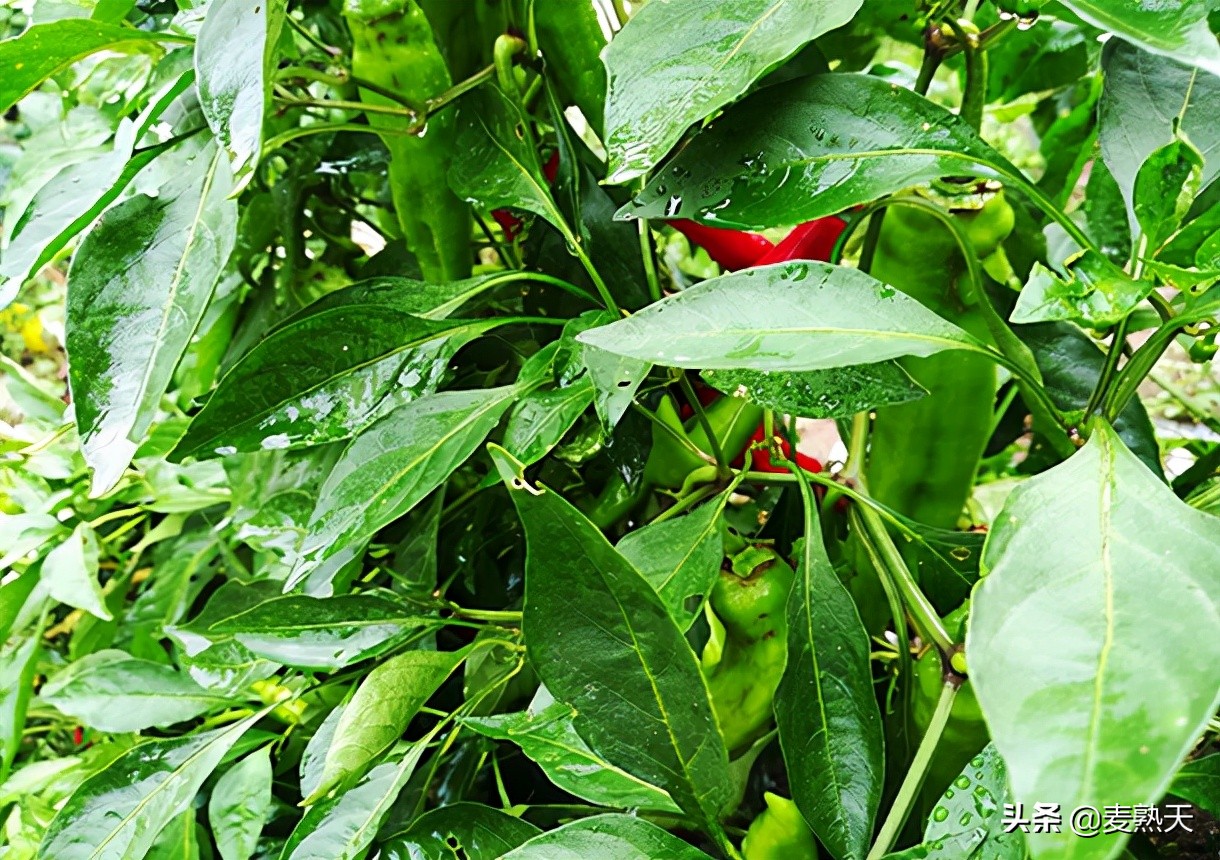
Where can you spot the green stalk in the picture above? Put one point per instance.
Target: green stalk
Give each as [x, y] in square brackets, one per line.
[909, 790]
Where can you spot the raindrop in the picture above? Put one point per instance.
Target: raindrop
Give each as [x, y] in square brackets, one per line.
[962, 781]
[940, 814]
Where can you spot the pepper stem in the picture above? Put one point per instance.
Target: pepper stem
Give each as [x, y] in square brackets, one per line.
[912, 782]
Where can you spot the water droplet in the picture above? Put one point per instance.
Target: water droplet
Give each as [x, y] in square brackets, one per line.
[977, 761]
[940, 814]
[965, 819]
[962, 781]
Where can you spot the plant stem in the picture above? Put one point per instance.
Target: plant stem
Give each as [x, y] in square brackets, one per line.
[701, 417]
[1108, 369]
[911, 784]
[648, 250]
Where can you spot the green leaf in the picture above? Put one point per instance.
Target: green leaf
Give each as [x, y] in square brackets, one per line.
[69, 573]
[477, 831]
[386, 701]
[327, 373]
[1097, 293]
[47, 49]
[620, 662]
[74, 197]
[111, 691]
[825, 707]
[21, 533]
[1098, 582]
[343, 827]
[313, 758]
[542, 418]
[975, 802]
[1199, 783]
[140, 283]
[18, 663]
[1175, 28]
[220, 663]
[320, 632]
[607, 837]
[232, 58]
[680, 558]
[240, 805]
[840, 140]
[1165, 188]
[178, 840]
[679, 61]
[790, 316]
[116, 814]
[837, 393]
[394, 464]
[496, 163]
[1144, 96]
[547, 734]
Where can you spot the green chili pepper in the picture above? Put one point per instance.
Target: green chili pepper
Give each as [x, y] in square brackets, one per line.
[923, 455]
[393, 47]
[779, 832]
[466, 31]
[571, 36]
[732, 419]
[745, 659]
[966, 732]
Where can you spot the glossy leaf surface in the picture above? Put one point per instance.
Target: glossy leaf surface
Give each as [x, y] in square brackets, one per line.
[1053, 712]
[682, 60]
[841, 140]
[790, 316]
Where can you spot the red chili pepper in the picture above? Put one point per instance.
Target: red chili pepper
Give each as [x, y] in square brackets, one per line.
[760, 458]
[732, 249]
[78, 735]
[510, 223]
[813, 240]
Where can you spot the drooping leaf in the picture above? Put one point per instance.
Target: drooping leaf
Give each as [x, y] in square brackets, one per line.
[1098, 578]
[240, 805]
[837, 393]
[1165, 188]
[117, 813]
[790, 316]
[320, 632]
[394, 464]
[680, 558]
[1178, 28]
[825, 708]
[607, 837]
[111, 691]
[478, 831]
[1144, 96]
[841, 140]
[231, 61]
[343, 827]
[140, 283]
[620, 662]
[69, 573]
[547, 735]
[496, 163]
[327, 373]
[377, 715]
[69, 202]
[45, 49]
[677, 62]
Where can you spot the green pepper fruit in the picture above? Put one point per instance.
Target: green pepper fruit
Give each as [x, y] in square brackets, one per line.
[923, 455]
[393, 47]
[571, 36]
[779, 832]
[749, 601]
[966, 732]
[670, 460]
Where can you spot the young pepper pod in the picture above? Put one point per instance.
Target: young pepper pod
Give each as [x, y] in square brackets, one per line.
[779, 832]
[743, 667]
[393, 47]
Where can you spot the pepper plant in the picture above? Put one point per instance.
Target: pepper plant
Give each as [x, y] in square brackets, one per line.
[426, 473]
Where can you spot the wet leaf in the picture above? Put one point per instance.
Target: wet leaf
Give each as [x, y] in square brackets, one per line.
[478, 831]
[240, 805]
[606, 837]
[837, 393]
